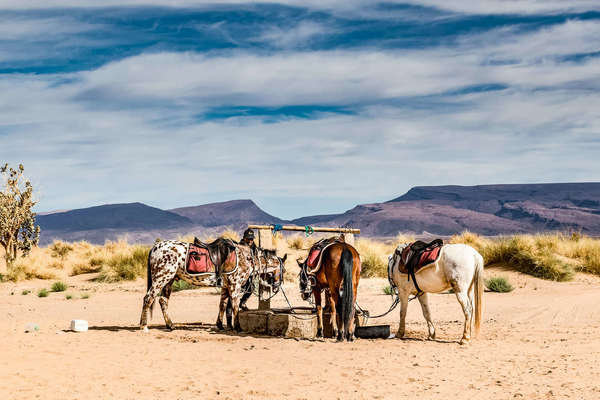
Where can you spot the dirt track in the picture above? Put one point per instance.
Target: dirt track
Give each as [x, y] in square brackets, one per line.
[541, 341]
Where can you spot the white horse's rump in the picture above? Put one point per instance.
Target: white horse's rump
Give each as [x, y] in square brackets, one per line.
[459, 267]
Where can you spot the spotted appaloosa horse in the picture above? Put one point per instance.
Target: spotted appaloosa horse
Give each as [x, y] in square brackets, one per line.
[166, 263]
[265, 263]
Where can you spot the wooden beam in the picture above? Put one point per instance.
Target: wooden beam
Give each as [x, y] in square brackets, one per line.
[303, 229]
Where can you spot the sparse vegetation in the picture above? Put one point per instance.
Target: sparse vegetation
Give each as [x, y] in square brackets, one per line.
[43, 293]
[297, 242]
[60, 249]
[499, 284]
[68, 296]
[59, 286]
[18, 232]
[127, 264]
[180, 285]
[387, 290]
[25, 292]
[85, 296]
[374, 257]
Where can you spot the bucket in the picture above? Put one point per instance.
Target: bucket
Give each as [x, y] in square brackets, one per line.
[372, 332]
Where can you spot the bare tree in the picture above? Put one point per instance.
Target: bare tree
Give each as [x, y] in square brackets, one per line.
[18, 231]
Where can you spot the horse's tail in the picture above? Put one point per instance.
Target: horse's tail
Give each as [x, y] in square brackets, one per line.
[478, 280]
[149, 281]
[347, 264]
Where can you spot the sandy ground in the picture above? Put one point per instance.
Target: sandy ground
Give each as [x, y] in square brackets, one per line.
[541, 341]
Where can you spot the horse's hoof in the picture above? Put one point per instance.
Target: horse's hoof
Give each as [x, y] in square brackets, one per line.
[144, 328]
[464, 341]
[219, 325]
[170, 327]
[399, 335]
[319, 332]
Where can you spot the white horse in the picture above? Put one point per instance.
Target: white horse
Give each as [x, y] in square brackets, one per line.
[459, 267]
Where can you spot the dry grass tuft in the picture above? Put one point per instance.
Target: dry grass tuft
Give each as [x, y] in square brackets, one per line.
[374, 257]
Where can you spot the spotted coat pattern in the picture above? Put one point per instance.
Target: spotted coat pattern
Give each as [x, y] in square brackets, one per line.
[166, 263]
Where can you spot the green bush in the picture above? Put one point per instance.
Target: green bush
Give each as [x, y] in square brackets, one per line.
[388, 290]
[25, 292]
[498, 284]
[68, 296]
[59, 286]
[182, 285]
[43, 293]
[85, 296]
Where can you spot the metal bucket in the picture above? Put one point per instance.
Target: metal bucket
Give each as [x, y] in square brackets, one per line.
[372, 332]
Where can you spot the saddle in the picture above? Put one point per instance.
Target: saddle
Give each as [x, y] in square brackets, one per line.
[417, 255]
[199, 260]
[208, 257]
[313, 260]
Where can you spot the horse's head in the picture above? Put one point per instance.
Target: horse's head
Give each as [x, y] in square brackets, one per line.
[273, 268]
[306, 283]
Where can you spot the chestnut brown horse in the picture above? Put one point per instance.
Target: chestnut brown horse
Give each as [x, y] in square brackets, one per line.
[338, 274]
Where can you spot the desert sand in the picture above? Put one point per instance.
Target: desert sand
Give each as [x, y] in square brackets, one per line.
[542, 341]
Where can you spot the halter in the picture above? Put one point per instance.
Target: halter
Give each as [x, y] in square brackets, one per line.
[311, 280]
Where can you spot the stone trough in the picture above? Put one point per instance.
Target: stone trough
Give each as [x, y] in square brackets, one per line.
[300, 322]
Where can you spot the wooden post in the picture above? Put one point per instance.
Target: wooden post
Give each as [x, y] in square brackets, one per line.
[349, 237]
[265, 238]
[264, 302]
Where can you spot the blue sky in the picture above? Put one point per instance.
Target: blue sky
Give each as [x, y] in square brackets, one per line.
[306, 107]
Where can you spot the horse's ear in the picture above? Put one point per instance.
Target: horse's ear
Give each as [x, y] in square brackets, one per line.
[284, 257]
[298, 260]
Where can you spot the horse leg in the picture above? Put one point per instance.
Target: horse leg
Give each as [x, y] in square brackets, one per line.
[350, 327]
[151, 295]
[229, 313]
[235, 302]
[333, 300]
[463, 299]
[317, 294]
[424, 300]
[164, 303]
[403, 308]
[222, 306]
[336, 309]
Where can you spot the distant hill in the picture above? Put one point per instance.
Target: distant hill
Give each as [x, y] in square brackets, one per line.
[485, 209]
[112, 216]
[435, 210]
[234, 212]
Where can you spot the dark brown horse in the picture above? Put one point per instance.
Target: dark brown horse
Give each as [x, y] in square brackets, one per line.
[338, 273]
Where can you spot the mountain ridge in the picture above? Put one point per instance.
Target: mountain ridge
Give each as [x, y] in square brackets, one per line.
[440, 210]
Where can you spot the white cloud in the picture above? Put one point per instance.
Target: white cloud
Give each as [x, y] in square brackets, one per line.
[461, 6]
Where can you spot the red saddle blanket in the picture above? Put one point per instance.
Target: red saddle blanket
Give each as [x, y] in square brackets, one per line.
[198, 261]
[313, 257]
[425, 257]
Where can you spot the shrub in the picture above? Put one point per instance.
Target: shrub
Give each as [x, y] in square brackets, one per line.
[499, 284]
[60, 249]
[374, 257]
[24, 270]
[94, 265]
[85, 296]
[25, 292]
[296, 242]
[68, 296]
[59, 286]
[180, 285]
[126, 265]
[43, 293]
[387, 290]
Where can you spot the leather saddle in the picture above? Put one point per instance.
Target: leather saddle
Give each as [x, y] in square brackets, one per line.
[316, 249]
[418, 255]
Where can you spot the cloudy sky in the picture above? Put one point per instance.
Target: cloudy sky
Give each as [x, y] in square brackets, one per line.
[307, 107]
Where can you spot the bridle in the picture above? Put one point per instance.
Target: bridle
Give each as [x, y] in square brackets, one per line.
[310, 279]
